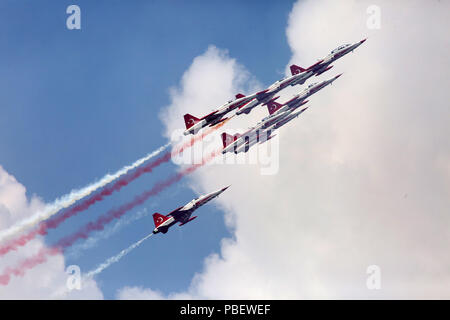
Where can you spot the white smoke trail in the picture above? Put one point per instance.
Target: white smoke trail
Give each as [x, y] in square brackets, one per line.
[91, 242]
[75, 195]
[63, 291]
[116, 258]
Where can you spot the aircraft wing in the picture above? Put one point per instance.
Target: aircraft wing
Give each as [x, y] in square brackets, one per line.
[293, 102]
[261, 95]
[178, 214]
[212, 116]
[315, 66]
[243, 101]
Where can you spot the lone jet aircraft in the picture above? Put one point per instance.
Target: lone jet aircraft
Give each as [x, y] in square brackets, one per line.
[182, 214]
[325, 64]
[193, 124]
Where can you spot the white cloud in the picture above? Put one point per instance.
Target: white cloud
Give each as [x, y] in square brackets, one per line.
[364, 173]
[137, 293]
[212, 77]
[45, 280]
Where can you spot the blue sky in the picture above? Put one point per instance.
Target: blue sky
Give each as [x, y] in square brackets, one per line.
[76, 104]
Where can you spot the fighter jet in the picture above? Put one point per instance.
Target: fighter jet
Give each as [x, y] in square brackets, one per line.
[260, 133]
[270, 92]
[284, 117]
[182, 214]
[325, 64]
[299, 99]
[298, 76]
[242, 142]
[193, 124]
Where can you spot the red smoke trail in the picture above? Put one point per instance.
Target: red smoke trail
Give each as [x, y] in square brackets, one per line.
[42, 228]
[52, 223]
[29, 263]
[99, 224]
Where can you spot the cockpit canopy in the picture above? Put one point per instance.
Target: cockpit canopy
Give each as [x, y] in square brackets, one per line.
[312, 85]
[340, 47]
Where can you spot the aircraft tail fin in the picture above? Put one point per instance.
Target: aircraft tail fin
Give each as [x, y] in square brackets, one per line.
[296, 69]
[273, 106]
[240, 95]
[227, 139]
[158, 219]
[190, 120]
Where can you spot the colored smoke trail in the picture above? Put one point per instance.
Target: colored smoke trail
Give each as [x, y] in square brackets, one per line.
[100, 223]
[75, 195]
[76, 250]
[29, 263]
[116, 258]
[54, 222]
[42, 228]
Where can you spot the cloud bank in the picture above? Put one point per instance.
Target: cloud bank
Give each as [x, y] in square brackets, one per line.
[46, 280]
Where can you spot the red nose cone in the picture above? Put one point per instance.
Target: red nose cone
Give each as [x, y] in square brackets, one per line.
[362, 41]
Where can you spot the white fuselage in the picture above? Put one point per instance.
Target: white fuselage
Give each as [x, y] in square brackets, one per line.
[340, 52]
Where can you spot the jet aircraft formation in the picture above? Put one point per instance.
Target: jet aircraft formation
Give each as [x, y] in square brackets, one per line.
[279, 115]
